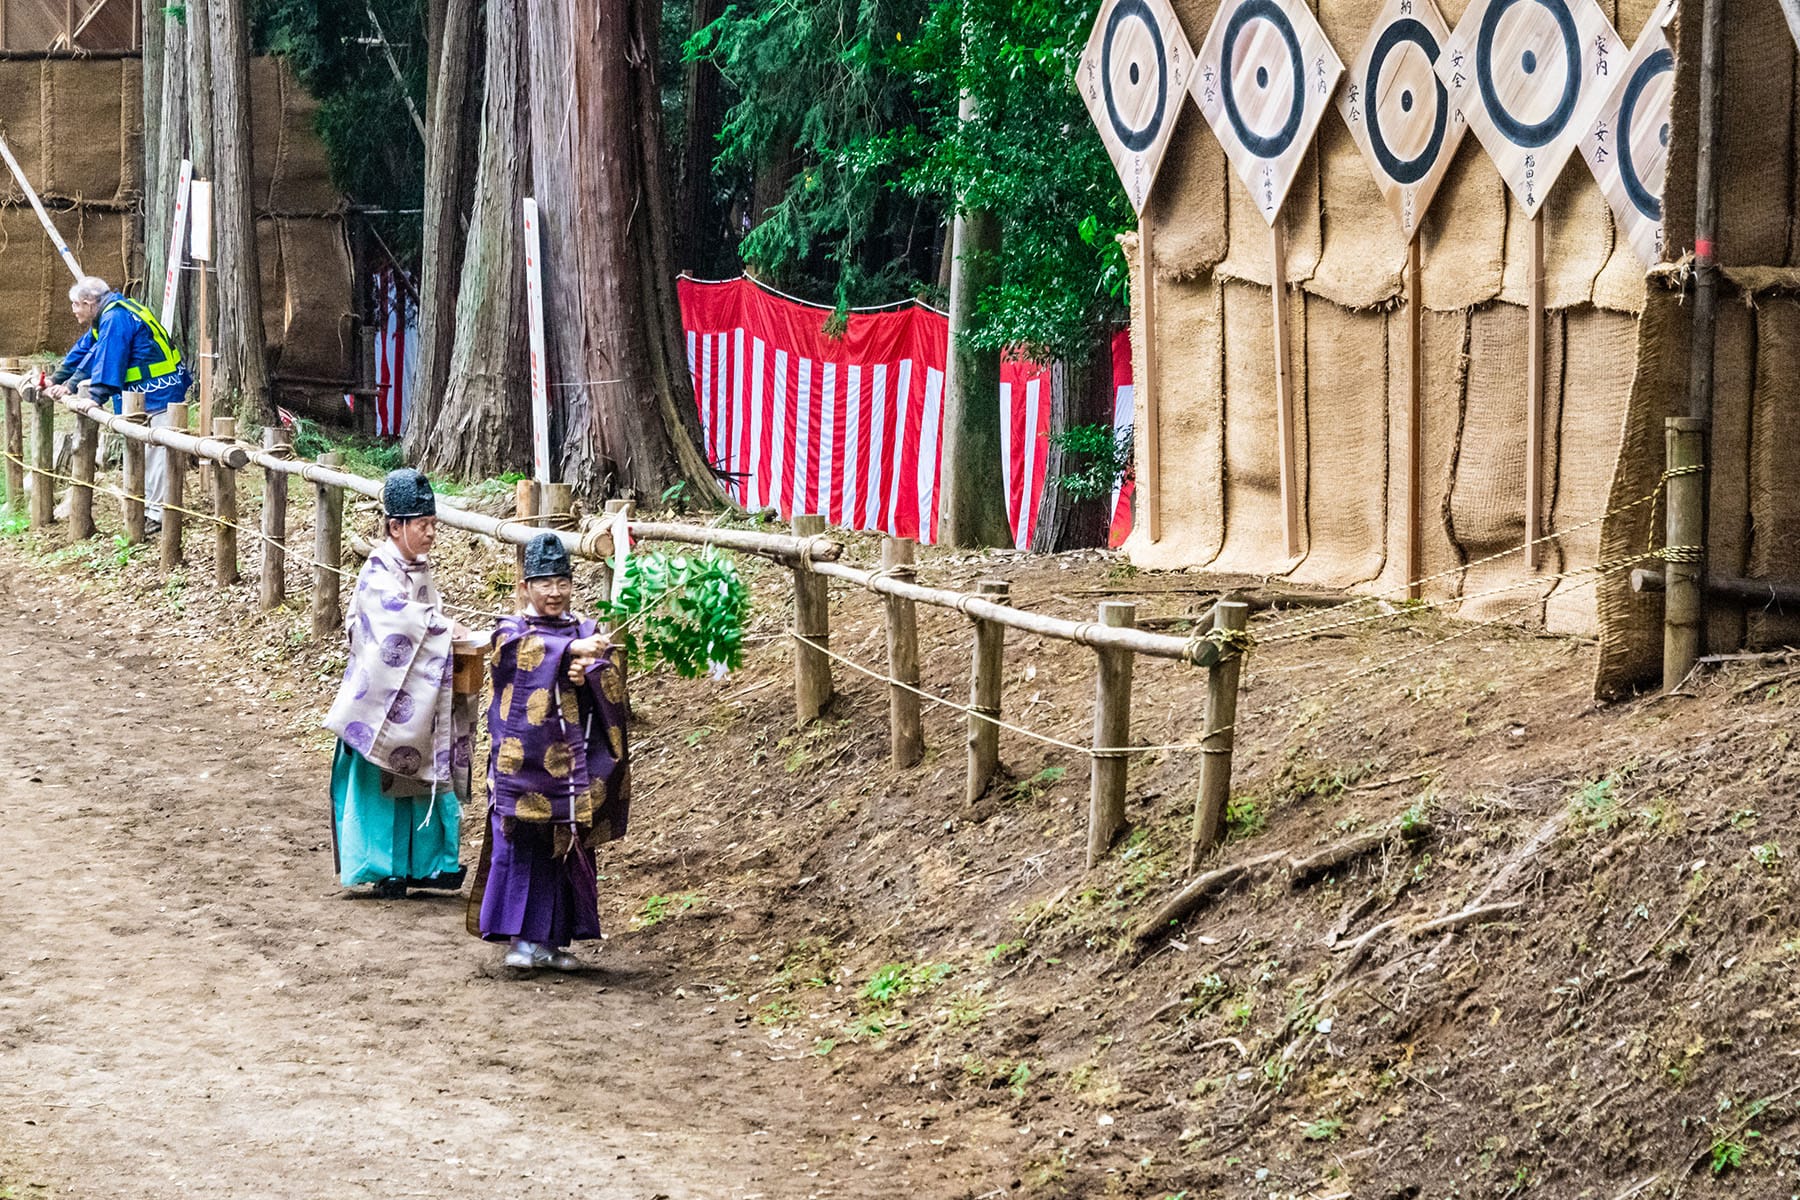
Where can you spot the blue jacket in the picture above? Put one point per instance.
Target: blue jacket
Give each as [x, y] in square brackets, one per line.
[120, 344]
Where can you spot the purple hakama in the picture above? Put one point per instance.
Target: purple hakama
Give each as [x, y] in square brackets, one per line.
[558, 785]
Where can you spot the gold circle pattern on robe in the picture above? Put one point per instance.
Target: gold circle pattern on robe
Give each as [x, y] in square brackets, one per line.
[571, 705]
[531, 652]
[558, 760]
[506, 703]
[617, 740]
[612, 683]
[510, 757]
[537, 706]
[532, 806]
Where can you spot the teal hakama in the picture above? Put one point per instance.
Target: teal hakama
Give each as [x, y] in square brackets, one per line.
[377, 835]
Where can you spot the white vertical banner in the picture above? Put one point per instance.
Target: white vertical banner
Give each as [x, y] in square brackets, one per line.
[200, 214]
[177, 245]
[540, 386]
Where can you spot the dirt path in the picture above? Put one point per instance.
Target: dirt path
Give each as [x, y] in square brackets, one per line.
[190, 1006]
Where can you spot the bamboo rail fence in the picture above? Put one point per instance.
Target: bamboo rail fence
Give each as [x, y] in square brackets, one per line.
[808, 552]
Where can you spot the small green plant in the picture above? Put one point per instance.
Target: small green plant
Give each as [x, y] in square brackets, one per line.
[1597, 804]
[1102, 454]
[896, 981]
[12, 524]
[1017, 1078]
[659, 908]
[1243, 817]
[1002, 952]
[1325, 1129]
[1037, 785]
[1728, 1152]
[1767, 855]
[1417, 818]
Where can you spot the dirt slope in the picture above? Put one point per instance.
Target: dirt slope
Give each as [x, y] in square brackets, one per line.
[1565, 969]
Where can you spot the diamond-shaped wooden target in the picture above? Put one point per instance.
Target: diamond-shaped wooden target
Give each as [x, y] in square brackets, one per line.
[1399, 111]
[1132, 76]
[1627, 147]
[1530, 76]
[1264, 78]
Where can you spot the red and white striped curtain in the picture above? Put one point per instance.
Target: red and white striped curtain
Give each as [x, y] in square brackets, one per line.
[396, 354]
[849, 427]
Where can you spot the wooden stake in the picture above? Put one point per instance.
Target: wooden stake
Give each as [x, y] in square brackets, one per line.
[558, 508]
[43, 460]
[174, 497]
[15, 450]
[1284, 393]
[606, 570]
[984, 693]
[328, 552]
[525, 509]
[1683, 619]
[274, 521]
[1414, 379]
[1219, 738]
[81, 496]
[131, 505]
[812, 620]
[1146, 388]
[1112, 729]
[225, 508]
[906, 733]
[1534, 396]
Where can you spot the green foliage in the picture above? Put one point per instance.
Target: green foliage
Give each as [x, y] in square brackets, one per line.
[1729, 1152]
[362, 456]
[896, 981]
[659, 908]
[1243, 817]
[1107, 455]
[688, 612]
[1325, 1129]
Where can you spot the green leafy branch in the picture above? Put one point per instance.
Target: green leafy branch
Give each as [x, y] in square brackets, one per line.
[688, 612]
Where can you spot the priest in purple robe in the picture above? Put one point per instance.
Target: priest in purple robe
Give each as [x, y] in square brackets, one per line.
[558, 774]
[395, 809]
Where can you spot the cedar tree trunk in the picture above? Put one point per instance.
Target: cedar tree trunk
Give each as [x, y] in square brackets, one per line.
[1081, 395]
[698, 226]
[241, 372]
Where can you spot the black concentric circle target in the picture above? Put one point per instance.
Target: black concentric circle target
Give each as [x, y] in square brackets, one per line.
[1640, 196]
[1404, 170]
[1530, 135]
[1263, 145]
[1135, 139]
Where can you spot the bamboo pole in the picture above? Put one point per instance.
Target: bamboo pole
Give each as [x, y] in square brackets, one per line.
[131, 504]
[906, 732]
[15, 451]
[328, 550]
[1534, 396]
[1219, 737]
[1112, 729]
[1685, 441]
[812, 620]
[984, 692]
[1147, 388]
[178, 440]
[43, 460]
[174, 495]
[225, 508]
[1414, 415]
[276, 440]
[1284, 392]
[81, 495]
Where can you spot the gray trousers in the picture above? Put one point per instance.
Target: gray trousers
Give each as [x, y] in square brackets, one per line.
[156, 470]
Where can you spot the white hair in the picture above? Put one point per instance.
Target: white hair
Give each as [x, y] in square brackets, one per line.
[89, 287]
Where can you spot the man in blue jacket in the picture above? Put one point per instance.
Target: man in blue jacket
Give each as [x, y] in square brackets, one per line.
[125, 348]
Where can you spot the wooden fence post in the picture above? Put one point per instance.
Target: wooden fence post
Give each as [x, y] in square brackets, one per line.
[15, 450]
[1683, 621]
[906, 734]
[274, 520]
[556, 509]
[225, 508]
[812, 620]
[81, 496]
[525, 509]
[174, 495]
[328, 550]
[606, 570]
[43, 460]
[984, 693]
[1219, 737]
[131, 504]
[1112, 731]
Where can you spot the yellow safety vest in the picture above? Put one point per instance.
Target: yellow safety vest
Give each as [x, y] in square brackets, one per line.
[171, 357]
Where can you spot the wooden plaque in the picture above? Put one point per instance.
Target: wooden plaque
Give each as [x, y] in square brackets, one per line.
[1399, 111]
[1263, 80]
[1627, 147]
[1530, 76]
[1132, 77]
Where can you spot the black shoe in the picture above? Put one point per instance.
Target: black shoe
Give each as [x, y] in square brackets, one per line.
[390, 889]
[443, 881]
[152, 527]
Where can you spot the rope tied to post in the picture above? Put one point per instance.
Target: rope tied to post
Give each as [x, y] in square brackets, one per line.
[1213, 646]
